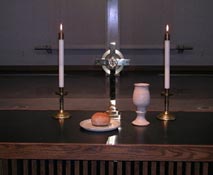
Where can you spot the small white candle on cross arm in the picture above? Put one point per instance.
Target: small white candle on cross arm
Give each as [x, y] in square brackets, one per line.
[167, 59]
[61, 56]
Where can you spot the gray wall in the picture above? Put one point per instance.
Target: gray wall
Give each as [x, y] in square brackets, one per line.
[27, 24]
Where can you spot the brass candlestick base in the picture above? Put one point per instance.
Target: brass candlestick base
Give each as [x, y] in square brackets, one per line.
[112, 111]
[166, 115]
[61, 114]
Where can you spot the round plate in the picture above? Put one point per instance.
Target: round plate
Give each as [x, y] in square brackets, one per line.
[86, 124]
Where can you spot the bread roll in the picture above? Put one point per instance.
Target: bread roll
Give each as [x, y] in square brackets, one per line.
[100, 119]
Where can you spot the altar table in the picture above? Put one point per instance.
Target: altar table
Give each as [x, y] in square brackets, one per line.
[33, 142]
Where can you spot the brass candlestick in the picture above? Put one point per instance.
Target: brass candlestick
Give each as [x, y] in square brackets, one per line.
[166, 115]
[61, 114]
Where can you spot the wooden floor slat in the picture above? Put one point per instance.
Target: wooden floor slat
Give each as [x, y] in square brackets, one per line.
[179, 168]
[197, 168]
[68, 167]
[5, 165]
[188, 168]
[102, 167]
[119, 168]
[205, 168]
[162, 168]
[59, 167]
[34, 167]
[137, 167]
[111, 168]
[153, 168]
[77, 166]
[25, 167]
[93, 167]
[85, 167]
[128, 167]
[42, 167]
[14, 167]
[51, 167]
[145, 168]
[171, 168]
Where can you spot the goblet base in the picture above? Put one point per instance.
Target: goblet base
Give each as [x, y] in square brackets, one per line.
[140, 120]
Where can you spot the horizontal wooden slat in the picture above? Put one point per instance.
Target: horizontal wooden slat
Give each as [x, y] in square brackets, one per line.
[138, 152]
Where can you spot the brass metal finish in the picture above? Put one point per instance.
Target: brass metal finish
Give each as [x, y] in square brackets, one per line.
[166, 115]
[61, 114]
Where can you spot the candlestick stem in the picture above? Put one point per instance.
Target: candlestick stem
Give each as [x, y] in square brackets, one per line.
[61, 114]
[166, 115]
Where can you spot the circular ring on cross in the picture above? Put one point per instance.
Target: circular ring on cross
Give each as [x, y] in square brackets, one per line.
[112, 61]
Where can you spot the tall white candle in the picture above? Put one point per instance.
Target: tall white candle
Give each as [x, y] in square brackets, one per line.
[167, 59]
[61, 57]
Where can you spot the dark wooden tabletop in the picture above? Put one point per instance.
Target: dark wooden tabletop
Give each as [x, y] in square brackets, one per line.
[39, 126]
[20, 130]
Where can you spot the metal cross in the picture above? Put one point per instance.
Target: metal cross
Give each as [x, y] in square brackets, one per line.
[113, 60]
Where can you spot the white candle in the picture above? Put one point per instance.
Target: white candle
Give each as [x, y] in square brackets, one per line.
[61, 57]
[167, 59]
